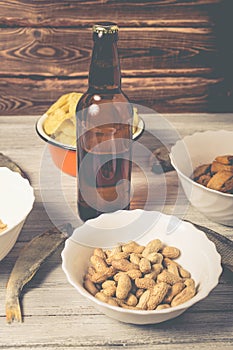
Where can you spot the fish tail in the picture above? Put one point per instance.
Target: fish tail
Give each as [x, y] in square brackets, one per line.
[13, 310]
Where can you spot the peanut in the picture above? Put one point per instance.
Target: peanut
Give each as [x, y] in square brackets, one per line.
[108, 284]
[117, 256]
[173, 291]
[102, 297]
[131, 300]
[144, 283]
[91, 270]
[113, 302]
[152, 247]
[123, 287]
[132, 247]
[155, 258]
[189, 282]
[134, 258]
[170, 252]
[186, 294]
[90, 286]
[143, 300]
[123, 265]
[168, 277]
[98, 263]
[99, 277]
[125, 306]
[133, 274]
[153, 275]
[114, 251]
[184, 273]
[145, 265]
[173, 268]
[167, 262]
[117, 276]
[157, 268]
[157, 295]
[109, 288]
[139, 292]
[162, 307]
[99, 252]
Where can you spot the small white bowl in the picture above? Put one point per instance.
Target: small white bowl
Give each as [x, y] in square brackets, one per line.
[194, 150]
[198, 255]
[16, 202]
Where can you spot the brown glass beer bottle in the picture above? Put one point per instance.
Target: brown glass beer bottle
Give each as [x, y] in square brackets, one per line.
[104, 131]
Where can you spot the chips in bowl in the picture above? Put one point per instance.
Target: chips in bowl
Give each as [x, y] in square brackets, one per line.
[60, 123]
[57, 127]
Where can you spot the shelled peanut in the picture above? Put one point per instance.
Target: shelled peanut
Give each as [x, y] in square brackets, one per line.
[139, 277]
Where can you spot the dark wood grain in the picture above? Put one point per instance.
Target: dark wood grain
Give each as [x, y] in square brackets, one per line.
[164, 94]
[176, 55]
[67, 51]
[124, 12]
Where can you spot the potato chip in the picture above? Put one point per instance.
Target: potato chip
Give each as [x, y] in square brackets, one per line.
[73, 99]
[2, 226]
[65, 139]
[64, 108]
[67, 128]
[53, 121]
[59, 103]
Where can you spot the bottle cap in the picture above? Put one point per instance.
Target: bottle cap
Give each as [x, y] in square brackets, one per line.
[105, 28]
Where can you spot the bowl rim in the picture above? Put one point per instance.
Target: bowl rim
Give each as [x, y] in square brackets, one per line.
[40, 131]
[29, 207]
[198, 297]
[191, 181]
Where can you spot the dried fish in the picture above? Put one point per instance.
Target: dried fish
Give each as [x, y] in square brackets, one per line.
[29, 261]
[7, 162]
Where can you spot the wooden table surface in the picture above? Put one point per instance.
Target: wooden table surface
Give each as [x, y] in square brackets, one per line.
[55, 315]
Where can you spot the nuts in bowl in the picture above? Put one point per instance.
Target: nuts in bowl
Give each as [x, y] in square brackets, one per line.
[130, 287]
[217, 175]
[199, 162]
[139, 277]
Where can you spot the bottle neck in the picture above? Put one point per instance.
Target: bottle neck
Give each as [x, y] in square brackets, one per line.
[104, 71]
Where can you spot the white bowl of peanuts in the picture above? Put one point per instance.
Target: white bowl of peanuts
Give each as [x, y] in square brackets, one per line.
[153, 273]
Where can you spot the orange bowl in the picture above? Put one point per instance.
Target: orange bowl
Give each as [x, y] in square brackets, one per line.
[64, 159]
[64, 156]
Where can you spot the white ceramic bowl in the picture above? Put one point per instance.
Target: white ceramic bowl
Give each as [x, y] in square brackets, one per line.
[198, 255]
[194, 150]
[16, 201]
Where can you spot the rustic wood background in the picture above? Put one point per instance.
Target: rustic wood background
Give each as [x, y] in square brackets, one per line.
[176, 56]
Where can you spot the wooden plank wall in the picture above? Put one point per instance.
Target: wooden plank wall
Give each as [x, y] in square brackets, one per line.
[176, 56]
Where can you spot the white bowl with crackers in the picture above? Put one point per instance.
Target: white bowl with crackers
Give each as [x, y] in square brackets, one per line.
[204, 164]
[141, 267]
[16, 202]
